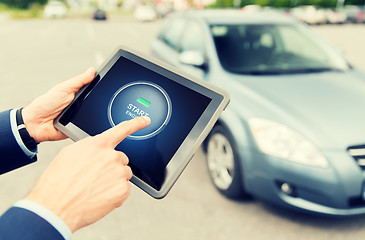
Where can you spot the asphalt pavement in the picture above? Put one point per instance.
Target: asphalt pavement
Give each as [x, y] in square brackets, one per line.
[37, 54]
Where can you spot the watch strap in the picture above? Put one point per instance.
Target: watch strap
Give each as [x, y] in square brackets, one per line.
[28, 141]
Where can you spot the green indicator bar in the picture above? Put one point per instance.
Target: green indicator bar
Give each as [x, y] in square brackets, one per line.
[144, 101]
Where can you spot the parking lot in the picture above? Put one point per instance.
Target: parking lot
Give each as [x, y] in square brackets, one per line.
[37, 54]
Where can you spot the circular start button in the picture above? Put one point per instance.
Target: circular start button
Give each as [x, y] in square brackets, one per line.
[138, 99]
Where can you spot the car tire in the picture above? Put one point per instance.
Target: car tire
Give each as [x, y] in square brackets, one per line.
[223, 163]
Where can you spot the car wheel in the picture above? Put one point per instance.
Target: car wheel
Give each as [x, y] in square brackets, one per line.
[223, 163]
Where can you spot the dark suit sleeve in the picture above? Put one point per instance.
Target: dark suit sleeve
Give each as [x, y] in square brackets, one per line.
[11, 155]
[21, 224]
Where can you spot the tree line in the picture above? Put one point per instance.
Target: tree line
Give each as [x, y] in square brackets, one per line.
[220, 3]
[22, 4]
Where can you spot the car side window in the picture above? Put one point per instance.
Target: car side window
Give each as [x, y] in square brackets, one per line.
[172, 32]
[193, 38]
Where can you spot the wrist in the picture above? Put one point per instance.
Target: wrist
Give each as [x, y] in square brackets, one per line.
[29, 123]
[25, 136]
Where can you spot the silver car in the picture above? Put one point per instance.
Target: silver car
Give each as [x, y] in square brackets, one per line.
[294, 133]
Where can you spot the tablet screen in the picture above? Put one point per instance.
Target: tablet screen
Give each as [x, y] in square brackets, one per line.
[130, 90]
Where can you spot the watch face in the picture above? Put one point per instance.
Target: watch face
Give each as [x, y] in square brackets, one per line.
[138, 99]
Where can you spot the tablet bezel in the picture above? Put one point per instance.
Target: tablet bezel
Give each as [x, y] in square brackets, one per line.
[183, 155]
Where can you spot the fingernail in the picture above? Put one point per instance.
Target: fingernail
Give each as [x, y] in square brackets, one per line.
[147, 119]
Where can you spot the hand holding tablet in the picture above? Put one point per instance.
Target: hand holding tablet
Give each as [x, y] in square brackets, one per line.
[182, 111]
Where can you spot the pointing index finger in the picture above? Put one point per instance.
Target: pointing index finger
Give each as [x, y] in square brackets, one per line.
[118, 133]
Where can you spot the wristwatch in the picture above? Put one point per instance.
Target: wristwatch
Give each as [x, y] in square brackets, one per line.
[28, 141]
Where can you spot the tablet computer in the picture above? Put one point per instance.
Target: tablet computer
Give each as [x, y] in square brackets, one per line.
[182, 110]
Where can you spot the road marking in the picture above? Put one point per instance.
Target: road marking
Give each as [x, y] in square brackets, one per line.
[99, 59]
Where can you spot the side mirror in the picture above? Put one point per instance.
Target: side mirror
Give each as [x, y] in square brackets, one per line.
[192, 57]
[340, 50]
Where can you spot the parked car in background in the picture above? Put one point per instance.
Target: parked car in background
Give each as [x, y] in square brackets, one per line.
[163, 10]
[293, 134]
[309, 14]
[55, 9]
[99, 14]
[335, 17]
[145, 13]
[354, 14]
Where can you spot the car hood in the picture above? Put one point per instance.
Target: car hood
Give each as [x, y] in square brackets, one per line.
[328, 107]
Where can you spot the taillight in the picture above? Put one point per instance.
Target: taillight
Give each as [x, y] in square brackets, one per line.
[360, 16]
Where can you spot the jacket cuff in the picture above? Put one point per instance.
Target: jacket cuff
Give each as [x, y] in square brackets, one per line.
[47, 215]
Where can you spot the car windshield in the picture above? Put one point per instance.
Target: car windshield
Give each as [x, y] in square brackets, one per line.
[274, 49]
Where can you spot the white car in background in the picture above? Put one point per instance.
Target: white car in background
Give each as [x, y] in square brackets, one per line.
[145, 13]
[335, 17]
[55, 9]
[309, 14]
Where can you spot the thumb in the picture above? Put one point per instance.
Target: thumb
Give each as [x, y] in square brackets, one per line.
[75, 83]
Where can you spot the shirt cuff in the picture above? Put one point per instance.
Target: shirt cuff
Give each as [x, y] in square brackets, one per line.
[14, 129]
[47, 215]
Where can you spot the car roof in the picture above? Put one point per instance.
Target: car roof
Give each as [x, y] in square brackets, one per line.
[231, 16]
